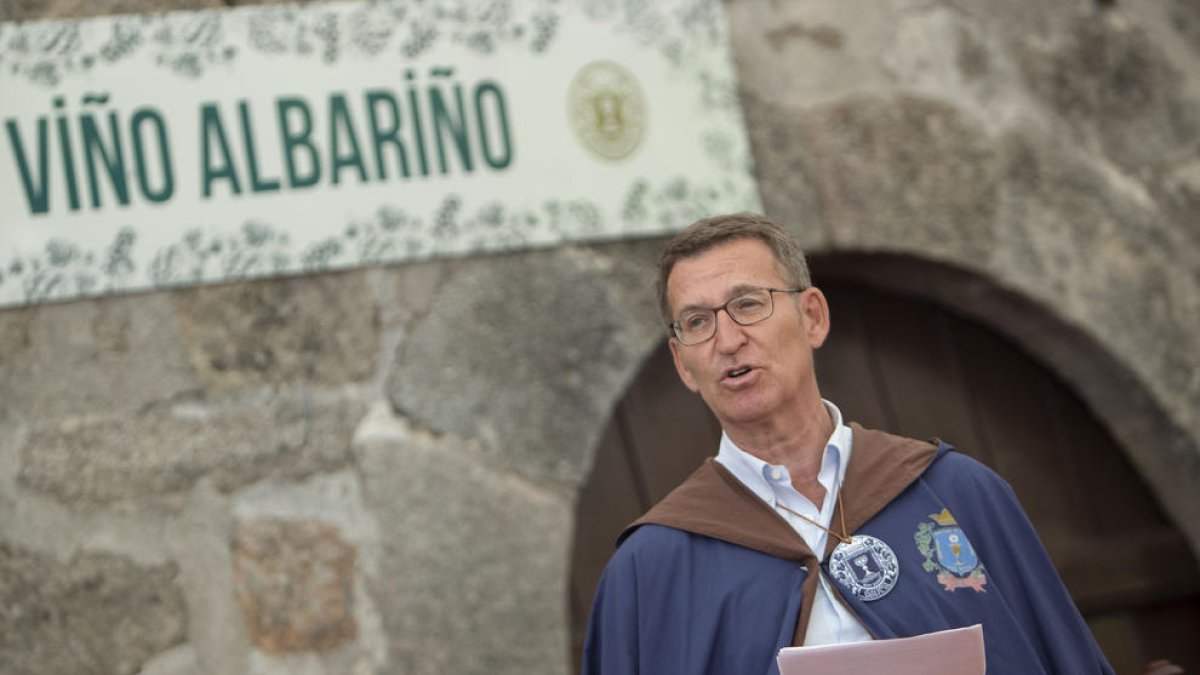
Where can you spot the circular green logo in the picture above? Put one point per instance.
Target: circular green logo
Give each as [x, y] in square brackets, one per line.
[607, 109]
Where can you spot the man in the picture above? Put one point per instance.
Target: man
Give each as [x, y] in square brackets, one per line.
[804, 530]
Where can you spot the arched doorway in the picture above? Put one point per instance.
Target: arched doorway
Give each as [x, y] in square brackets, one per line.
[915, 368]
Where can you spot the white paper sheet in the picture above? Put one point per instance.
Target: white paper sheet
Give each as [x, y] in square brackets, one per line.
[958, 651]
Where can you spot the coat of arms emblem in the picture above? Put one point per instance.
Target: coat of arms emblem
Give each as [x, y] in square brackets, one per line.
[607, 109]
[865, 566]
[948, 552]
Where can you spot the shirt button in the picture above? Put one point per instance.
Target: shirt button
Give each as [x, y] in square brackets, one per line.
[777, 473]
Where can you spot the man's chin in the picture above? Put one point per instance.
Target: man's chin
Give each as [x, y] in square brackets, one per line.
[740, 415]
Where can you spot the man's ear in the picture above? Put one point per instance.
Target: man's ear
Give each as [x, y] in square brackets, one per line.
[815, 310]
[684, 375]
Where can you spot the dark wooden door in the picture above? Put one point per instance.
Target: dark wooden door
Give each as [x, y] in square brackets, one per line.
[910, 367]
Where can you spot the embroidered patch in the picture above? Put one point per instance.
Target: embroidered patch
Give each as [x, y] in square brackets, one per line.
[948, 552]
[866, 567]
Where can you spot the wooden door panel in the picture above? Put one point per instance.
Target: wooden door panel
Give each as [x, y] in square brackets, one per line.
[1116, 499]
[918, 374]
[845, 365]
[612, 488]
[1014, 404]
[669, 427]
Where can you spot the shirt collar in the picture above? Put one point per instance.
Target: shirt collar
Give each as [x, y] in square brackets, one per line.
[762, 477]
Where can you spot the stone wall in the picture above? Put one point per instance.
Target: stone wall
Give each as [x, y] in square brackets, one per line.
[374, 471]
[312, 474]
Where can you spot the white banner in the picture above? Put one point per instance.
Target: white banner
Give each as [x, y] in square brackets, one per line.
[144, 152]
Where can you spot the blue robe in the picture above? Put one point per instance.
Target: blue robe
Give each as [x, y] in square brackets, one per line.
[712, 580]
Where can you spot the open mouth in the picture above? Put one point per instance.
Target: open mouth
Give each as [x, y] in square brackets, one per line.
[738, 372]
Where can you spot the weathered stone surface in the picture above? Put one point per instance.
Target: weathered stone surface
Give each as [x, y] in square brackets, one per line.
[178, 661]
[1032, 20]
[472, 576]
[1061, 216]
[1185, 18]
[294, 583]
[1108, 77]
[11, 440]
[871, 172]
[71, 358]
[97, 613]
[1179, 193]
[632, 270]
[200, 545]
[290, 434]
[942, 53]
[25, 10]
[332, 500]
[525, 353]
[404, 292]
[319, 328]
[770, 39]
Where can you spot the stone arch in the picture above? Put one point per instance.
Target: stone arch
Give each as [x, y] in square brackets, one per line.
[1165, 455]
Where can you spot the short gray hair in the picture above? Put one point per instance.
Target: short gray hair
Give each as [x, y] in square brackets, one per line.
[709, 233]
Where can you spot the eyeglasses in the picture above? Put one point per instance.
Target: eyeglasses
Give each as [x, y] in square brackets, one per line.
[697, 325]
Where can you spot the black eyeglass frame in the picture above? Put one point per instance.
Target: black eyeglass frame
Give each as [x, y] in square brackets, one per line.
[676, 332]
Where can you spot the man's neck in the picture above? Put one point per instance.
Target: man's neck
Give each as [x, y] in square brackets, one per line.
[798, 445]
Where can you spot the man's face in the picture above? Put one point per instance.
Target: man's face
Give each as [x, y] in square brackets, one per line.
[747, 374]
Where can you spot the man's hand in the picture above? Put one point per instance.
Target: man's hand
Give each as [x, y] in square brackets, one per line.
[1162, 667]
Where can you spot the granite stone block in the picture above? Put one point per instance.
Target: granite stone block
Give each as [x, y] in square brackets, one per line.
[526, 353]
[472, 575]
[321, 328]
[294, 582]
[286, 434]
[69, 358]
[97, 613]
[879, 172]
[1111, 80]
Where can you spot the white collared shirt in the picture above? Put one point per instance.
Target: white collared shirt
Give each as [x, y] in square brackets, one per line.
[830, 621]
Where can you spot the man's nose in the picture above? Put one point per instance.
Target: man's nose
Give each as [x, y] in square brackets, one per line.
[730, 334]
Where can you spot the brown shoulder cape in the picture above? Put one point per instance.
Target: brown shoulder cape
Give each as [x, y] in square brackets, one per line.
[714, 503]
